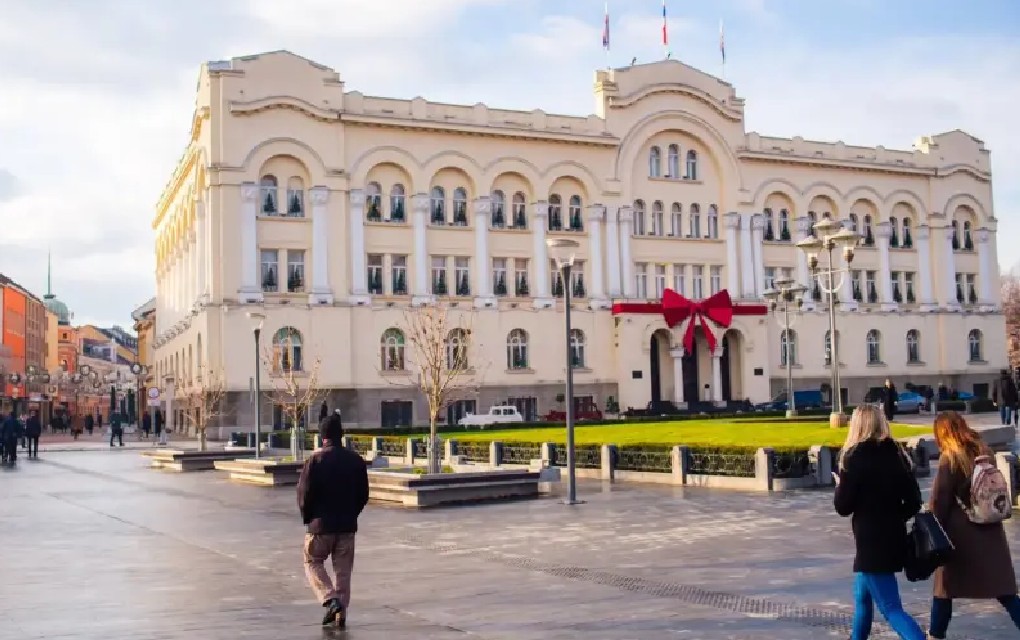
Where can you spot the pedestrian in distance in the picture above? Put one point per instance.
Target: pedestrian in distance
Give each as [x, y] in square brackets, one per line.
[146, 424]
[157, 425]
[89, 424]
[889, 398]
[33, 429]
[1004, 393]
[74, 424]
[970, 498]
[876, 486]
[10, 432]
[116, 429]
[332, 492]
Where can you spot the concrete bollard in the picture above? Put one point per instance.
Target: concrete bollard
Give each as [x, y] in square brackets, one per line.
[547, 452]
[821, 464]
[409, 453]
[608, 462]
[495, 454]
[449, 450]
[376, 445]
[680, 458]
[1007, 464]
[764, 460]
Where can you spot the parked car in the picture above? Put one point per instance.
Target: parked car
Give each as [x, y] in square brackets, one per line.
[583, 411]
[498, 414]
[910, 402]
[804, 399]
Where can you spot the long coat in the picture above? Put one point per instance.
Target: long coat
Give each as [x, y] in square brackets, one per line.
[981, 566]
[889, 401]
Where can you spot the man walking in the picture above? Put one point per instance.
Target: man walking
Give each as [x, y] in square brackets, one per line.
[10, 432]
[1005, 395]
[116, 429]
[33, 429]
[332, 492]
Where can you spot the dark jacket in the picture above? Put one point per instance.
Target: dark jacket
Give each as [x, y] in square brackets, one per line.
[1005, 392]
[981, 566]
[33, 427]
[146, 422]
[89, 421]
[889, 401]
[333, 490]
[879, 490]
[157, 423]
[10, 428]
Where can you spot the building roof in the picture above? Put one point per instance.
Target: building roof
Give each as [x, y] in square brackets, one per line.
[56, 306]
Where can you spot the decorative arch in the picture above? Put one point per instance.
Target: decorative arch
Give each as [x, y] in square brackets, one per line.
[908, 197]
[511, 164]
[824, 190]
[453, 160]
[781, 186]
[632, 145]
[301, 151]
[967, 200]
[869, 194]
[364, 163]
[563, 169]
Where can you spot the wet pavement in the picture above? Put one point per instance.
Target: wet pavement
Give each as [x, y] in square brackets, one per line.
[95, 545]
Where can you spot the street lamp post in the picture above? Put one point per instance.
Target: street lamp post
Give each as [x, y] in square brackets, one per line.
[564, 252]
[829, 236]
[257, 319]
[784, 296]
[15, 380]
[139, 370]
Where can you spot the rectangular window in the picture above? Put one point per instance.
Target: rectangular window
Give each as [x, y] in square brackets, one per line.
[440, 281]
[869, 286]
[375, 273]
[908, 286]
[961, 294]
[660, 280]
[696, 280]
[577, 288]
[714, 280]
[639, 222]
[657, 223]
[499, 286]
[521, 289]
[641, 279]
[676, 220]
[295, 270]
[680, 279]
[695, 225]
[398, 275]
[971, 287]
[295, 203]
[770, 277]
[462, 271]
[894, 286]
[270, 259]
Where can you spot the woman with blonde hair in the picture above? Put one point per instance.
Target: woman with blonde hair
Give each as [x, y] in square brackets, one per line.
[981, 566]
[876, 486]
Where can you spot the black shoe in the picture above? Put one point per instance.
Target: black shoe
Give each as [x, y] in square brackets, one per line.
[335, 615]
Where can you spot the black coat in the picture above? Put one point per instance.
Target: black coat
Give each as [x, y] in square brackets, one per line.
[1005, 392]
[332, 491]
[33, 427]
[889, 401]
[879, 490]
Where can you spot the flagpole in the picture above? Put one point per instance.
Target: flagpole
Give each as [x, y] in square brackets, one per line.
[605, 39]
[665, 31]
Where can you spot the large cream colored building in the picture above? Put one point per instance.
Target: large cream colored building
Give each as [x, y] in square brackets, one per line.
[334, 212]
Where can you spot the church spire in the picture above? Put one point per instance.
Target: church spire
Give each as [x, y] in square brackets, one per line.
[49, 275]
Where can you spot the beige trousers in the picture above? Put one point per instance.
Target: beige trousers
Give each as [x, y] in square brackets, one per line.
[319, 548]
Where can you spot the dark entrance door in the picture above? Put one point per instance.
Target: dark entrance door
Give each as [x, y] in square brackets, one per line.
[458, 410]
[692, 390]
[396, 414]
[724, 366]
[653, 366]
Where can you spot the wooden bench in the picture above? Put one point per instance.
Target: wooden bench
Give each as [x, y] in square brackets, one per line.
[182, 461]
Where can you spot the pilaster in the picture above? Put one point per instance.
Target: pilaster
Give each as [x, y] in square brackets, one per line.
[250, 291]
[321, 292]
[596, 215]
[483, 282]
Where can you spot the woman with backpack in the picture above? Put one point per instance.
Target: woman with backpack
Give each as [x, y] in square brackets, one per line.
[876, 485]
[970, 498]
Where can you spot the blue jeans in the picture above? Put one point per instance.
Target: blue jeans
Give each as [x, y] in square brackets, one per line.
[881, 589]
[1006, 413]
[942, 611]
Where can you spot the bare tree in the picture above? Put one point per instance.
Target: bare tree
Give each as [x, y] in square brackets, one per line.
[439, 338]
[294, 389]
[1011, 310]
[204, 404]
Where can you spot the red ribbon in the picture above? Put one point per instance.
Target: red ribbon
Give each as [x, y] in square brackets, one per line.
[676, 309]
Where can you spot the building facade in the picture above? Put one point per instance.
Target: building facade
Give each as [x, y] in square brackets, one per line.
[335, 214]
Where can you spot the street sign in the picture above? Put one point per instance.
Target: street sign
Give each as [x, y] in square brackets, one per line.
[154, 399]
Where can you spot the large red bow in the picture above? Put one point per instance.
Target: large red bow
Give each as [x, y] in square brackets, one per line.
[718, 308]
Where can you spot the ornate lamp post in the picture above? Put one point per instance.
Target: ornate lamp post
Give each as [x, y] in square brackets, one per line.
[830, 236]
[564, 252]
[786, 297]
[35, 376]
[257, 320]
[139, 371]
[15, 380]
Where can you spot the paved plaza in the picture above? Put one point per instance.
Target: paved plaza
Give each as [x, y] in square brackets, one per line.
[95, 545]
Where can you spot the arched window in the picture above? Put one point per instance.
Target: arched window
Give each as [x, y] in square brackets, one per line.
[397, 203]
[713, 221]
[869, 234]
[956, 234]
[498, 215]
[695, 217]
[673, 167]
[974, 343]
[460, 216]
[788, 347]
[913, 346]
[457, 350]
[577, 348]
[894, 227]
[769, 224]
[520, 220]
[828, 346]
[438, 205]
[676, 227]
[295, 197]
[373, 202]
[692, 165]
[576, 222]
[874, 343]
[908, 241]
[517, 349]
[784, 225]
[268, 195]
[287, 350]
[658, 228]
[654, 162]
[555, 212]
[391, 350]
[639, 218]
[968, 242]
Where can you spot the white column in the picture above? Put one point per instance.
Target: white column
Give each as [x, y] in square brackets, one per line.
[922, 241]
[758, 240]
[613, 252]
[987, 275]
[202, 251]
[626, 262]
[747, 264]
[540, 266]
[321, 292]
[731, 221]
[717, 374]
[190, 290]
[483, 279]
[949, 271]
[359, 276]
[420, 204]
[250, 290]
[678, 377]
[883, 231]
[596, 214]
[803, 229]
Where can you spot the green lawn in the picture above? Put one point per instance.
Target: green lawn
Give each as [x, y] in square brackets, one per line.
[690, 432]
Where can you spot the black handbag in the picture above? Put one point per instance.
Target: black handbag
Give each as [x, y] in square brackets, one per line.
[928, 547]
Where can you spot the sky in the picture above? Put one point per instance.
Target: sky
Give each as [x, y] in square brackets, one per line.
[96, 97]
